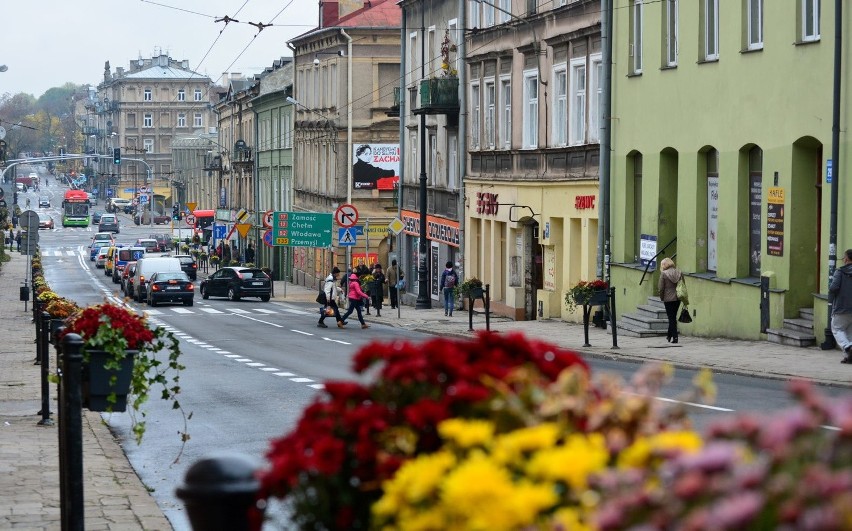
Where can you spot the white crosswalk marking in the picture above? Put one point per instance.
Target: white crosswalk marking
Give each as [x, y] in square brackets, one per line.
[70, 253]
[264, 310]
[297, 312]
[181, 310]
[153, 312]
[210, 310]
[237, 310]
[301, 380]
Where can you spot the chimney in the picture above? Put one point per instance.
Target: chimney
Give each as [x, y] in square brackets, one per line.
[349, 6]
[328, 13]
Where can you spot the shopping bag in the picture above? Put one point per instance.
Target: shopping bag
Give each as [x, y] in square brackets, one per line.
[680, 290]
[684, 316]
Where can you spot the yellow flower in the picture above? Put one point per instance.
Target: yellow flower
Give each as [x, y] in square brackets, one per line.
[571, 462]
[467, 433]
[639, 453]
[415, 481]
[510, 447]
[570, 518]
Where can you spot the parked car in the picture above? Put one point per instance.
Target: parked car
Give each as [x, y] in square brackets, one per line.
[100, 259]
[237, 282]
[170, 286]
[165, 240]
[126, 274]
[117, 204]
[147, 266]
[109, 222]
[45, 221]
[188, 265]
[125, 255]
[44, 201]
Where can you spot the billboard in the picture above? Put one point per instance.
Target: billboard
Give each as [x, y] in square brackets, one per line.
[375, 166]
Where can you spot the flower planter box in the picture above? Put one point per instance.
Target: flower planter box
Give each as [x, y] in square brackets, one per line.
[98, 385]
[597, 298]
[439, 96]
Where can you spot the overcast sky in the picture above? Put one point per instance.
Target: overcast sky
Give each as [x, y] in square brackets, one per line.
[46, 43]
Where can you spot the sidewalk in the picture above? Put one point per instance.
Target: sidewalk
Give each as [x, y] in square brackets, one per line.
[115, 498]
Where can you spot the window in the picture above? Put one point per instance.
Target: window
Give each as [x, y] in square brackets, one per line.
[810, 20]
[473, 9]
[560, 105]
[711, 30]
[636, 160]
[712, 208]
[181, 122]
[131, 120]
[181, 95]
[452, 160]
[286, 130]
[636, 37]
[506, 6]
[671, 32]
[530, 132]
[755, 194]
[332, 86]
[433, 158]
[596, 98]
[411, 71]
[148, 120]
[577, 111]
[148, 145]
[432, 52]
[490, 113]
[754, 24]
[506, 112]
[197, 95]
[148, 96]
[488, 15]
[197, 121]
[474, 115]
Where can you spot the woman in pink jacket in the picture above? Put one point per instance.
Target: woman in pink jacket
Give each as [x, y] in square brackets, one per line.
[356, 297]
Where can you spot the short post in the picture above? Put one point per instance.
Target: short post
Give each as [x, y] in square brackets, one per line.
[587, 309]
[71, 434]
[487, 307]
[470, 311]
[38, 328]
[219, 491]
[612, 319]
[45, 368]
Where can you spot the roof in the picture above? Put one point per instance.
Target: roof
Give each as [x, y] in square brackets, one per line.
[164, 72]
[379, 14]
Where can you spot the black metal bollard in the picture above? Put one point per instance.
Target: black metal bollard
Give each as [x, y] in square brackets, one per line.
[71, 435]
[219, 490]
[612, 319]
[37, 309]
[487, 303]
[45, 370]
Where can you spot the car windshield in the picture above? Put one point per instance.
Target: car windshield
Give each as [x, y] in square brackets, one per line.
[253, 273]
[171, 275]
[186, 259]
[43, 217]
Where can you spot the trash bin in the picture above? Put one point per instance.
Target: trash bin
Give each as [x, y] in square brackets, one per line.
[25, 293]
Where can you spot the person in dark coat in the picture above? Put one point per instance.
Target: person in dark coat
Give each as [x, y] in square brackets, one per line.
[669, 278]
[249, 254]
[377, 290]
[226, 255]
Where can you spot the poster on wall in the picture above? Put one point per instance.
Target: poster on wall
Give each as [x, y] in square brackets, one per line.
[775, 222]
[375, 166]
[712, 221]
[549, 268]
[648, 250]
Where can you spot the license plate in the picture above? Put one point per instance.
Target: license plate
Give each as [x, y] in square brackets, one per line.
[257, 283]
[173, 287]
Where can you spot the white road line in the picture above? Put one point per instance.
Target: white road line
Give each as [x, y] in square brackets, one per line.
[284, 374]
[264, 310]
[69, 253]
[237, 310]
[153, 312]
[270, 369]
[214, 349]
[259, 320]
[256, 364]
[225, 352]
[317, 386]
[232, 355]
[693, 404]
[181, 310]
[210, 310]
[301, 380]
[301, 332]
[242, 359]
[297, 312]
[336, 341]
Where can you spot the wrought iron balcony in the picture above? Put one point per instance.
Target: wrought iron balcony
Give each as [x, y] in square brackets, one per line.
[439, 96]
[394, 110]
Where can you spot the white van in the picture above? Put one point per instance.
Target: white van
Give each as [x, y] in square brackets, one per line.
[147, 266]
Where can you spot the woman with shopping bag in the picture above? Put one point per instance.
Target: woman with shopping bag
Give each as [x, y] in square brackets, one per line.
[670, 277]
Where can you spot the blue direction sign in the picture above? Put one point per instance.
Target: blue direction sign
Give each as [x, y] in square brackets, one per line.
[109, 192]
[347, 237]
[220, 231]
[301, 229]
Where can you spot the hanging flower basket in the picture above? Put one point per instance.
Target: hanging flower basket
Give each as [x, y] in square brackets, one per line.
[585, 293]
[106, 380]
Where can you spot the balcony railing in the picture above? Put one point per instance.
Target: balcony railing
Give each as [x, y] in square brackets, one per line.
[439, 96]
[397, 94]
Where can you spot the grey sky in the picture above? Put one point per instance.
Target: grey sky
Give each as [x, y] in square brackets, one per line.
[46, 43]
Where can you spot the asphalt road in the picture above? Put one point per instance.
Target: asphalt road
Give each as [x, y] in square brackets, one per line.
[252, 367]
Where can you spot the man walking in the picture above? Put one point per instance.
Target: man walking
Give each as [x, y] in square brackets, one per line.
[840, 297]
[330, 289]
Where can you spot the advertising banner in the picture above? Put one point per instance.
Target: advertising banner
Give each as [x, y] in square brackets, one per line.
[375, 166]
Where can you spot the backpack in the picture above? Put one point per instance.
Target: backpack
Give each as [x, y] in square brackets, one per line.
[321, 297]
[450, 280]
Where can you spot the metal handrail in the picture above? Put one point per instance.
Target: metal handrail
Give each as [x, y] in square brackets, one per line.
[652, 260]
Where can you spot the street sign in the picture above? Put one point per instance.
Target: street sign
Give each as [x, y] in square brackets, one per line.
[29, 219]
[396, 226]
[267, 219]
[109, 192]
[346, 215]
[143, 199]
[267, 238]
[243, 229]
[190, 205]
[219, 231]
[190, 220]
[301, 229]
[241, 216]
[347, 237]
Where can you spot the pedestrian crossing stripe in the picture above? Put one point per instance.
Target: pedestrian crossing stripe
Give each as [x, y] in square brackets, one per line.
[211, 310]
[240, 311]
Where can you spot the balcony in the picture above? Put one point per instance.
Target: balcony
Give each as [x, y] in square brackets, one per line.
[89, 130]
[394, 110]
[439, 96]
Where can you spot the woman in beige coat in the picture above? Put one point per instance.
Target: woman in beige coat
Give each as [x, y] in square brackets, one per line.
[669, 277]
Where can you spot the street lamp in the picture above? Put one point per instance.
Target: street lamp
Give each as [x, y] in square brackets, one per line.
[3, 68]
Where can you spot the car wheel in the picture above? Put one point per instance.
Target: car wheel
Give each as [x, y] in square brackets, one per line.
[152, 302]
[232, 295]
[188, 303]
[204, 294]
[264, 298]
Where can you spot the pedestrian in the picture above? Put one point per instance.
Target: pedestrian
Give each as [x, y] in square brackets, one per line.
[669, 278]
[249, 254]
[840, 298]
[377, 289]
[331, 291]
[394, 276]
[363, 271]
[356, 297]
[18, 239]
[226, 254]
[449, 281]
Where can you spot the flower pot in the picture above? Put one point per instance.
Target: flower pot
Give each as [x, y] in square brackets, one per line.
[97, 384]
[55, 325]
[597, 298]
[476, 293]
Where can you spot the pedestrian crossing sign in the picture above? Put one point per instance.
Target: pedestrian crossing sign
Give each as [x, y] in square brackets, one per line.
[347, 237]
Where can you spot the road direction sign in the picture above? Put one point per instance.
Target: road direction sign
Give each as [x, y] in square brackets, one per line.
[219, 231]
[301, 229]
[190, 220]
[346, 215]
[109, 192]
[347, 237]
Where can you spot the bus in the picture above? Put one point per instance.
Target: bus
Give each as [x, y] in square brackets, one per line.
[203, 227]
[75, 209]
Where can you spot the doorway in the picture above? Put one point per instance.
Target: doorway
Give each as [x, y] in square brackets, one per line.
[533, 269]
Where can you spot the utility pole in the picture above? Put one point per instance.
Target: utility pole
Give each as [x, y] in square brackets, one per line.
[424, 301]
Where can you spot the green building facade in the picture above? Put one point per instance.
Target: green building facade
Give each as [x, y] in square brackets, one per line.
[722, 122]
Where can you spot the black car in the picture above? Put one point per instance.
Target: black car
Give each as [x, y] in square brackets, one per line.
[96, 216]
[188, 265]
[237, 282]
[171, 286]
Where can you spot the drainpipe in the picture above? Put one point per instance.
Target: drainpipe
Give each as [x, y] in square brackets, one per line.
[349, 178]
[605, 147]
[402, 97]
[461, 139]
[257, 215]
[830, 342]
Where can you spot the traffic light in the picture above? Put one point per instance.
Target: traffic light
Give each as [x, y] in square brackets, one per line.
[175, 213]
[116, 156]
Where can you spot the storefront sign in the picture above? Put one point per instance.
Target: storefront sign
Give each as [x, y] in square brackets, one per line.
[486, 203]
[712, 221]
[437, 229]
[584, 202]
[775, 222]
[647, 250]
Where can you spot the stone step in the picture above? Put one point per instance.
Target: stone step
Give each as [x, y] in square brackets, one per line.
[806, 326]
[627, 329]
[806, 313]
[652, 311]
[791, 338]
[655, 301]
[648, 323]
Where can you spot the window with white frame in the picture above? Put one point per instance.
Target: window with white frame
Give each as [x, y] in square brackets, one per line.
[148, 95]
[636, 8]
[455, 36]
[197, 95]
[433, 158]
[181, 119]
[530, 130]
[506, 112]
[754, 24]
[452, 160]
[810, 20]
[577, 112]
[506, 7]
[148, 120]
[711, 30]
[432, 52]
[671, 30]
[181, 95]
[473, 10]
[474, 115]
[332, 86]
[197, 121]
[595, 97]
[560, 105]
[487, 14]
[148, 145]
[286, 130]
[411, 71]
[490, 113]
